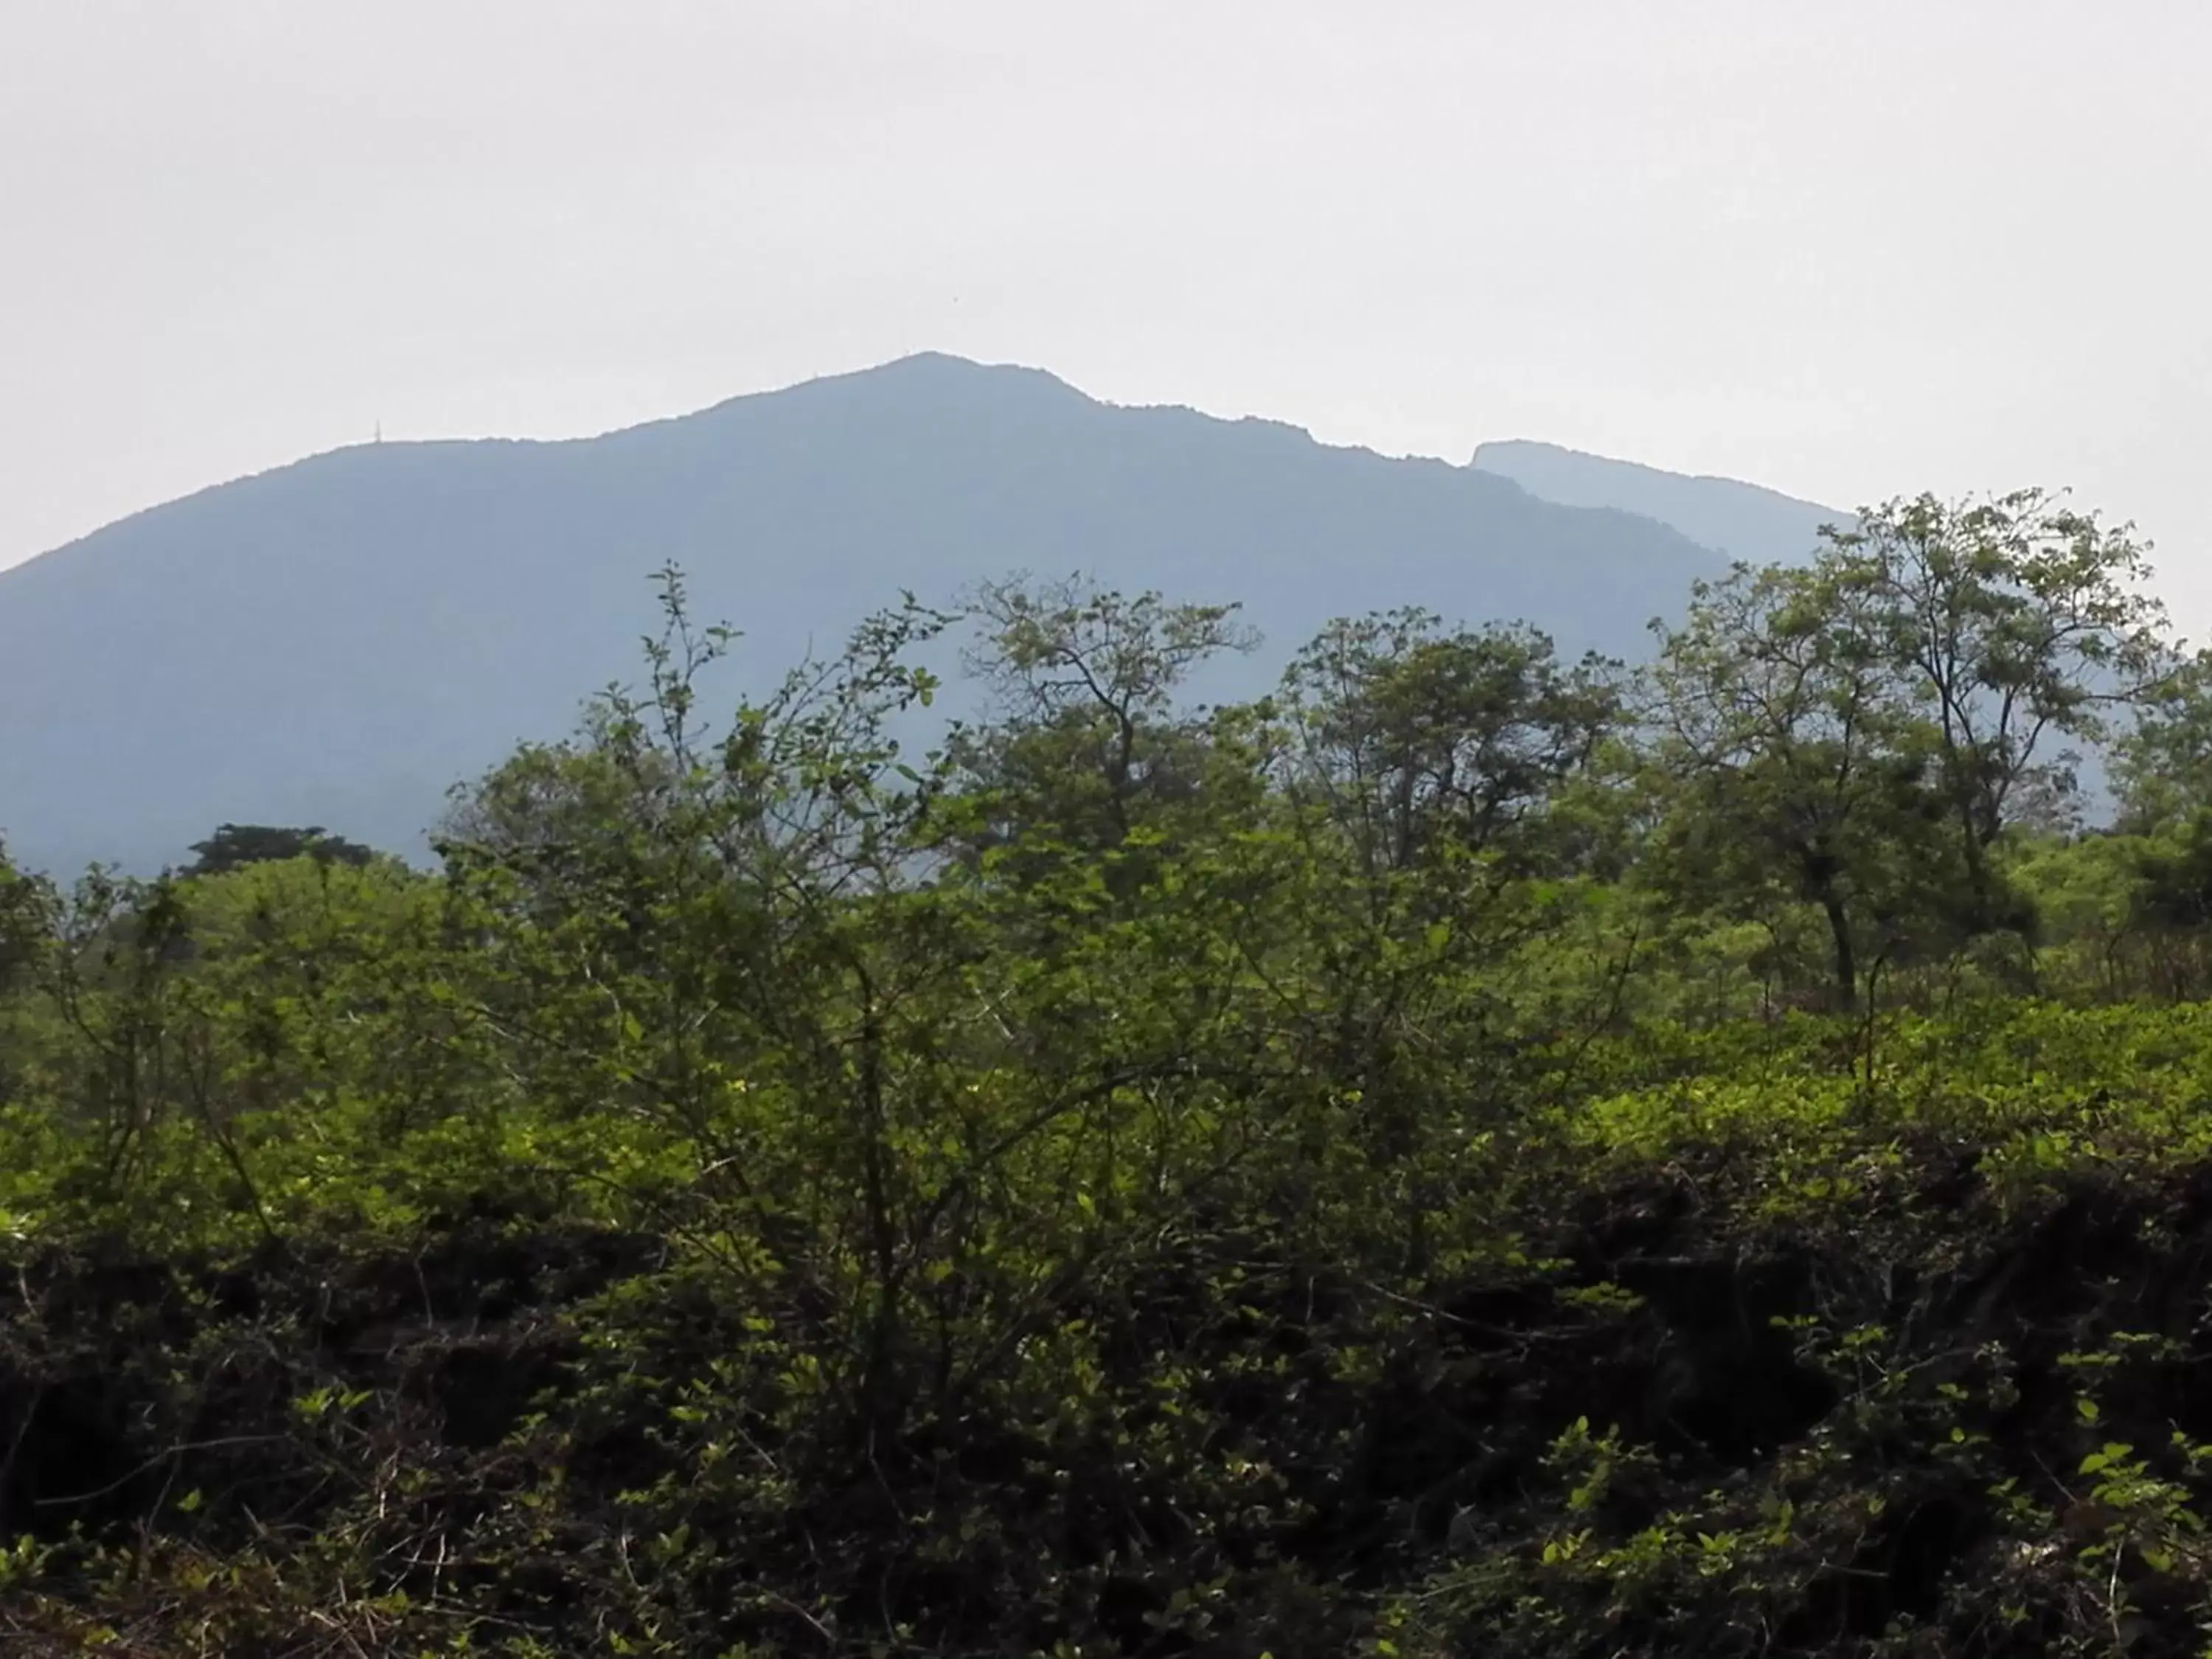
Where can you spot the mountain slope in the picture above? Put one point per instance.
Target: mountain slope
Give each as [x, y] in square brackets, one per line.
[1743, 521]
[338, 640]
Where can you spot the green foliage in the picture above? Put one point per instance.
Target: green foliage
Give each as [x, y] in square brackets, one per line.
[1862, 734]
[1470, 1154]
[235, 845]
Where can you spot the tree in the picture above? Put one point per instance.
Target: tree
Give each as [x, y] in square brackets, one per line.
[235, 845]
[26, 919]
[726, 937]
[1420, 771]
[1089, 742]
[2014, 626]
[1791, 765]
[1869, 726]
[1416, 736]
[2163, 767]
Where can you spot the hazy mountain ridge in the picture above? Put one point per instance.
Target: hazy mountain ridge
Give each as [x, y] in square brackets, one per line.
[338, 639]
[1744, 520]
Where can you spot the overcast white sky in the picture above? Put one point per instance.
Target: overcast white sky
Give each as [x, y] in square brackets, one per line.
[1848, 250]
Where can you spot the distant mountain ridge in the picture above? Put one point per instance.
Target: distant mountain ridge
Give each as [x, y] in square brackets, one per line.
[338, 641]
[1744, 520]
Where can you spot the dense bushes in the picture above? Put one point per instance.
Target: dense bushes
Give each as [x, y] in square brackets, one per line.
[1412, 1166]
[1942, 1411]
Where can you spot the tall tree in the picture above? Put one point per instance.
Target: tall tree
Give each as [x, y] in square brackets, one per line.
[26, 918]
[1792, 767]
[2163, 763]
[1089, 739]
[1871, 724]
[1416, 735]
[2015, 627]
[235, 845]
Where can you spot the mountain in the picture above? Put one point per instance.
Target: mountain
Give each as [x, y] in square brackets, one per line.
[337, 641]
[1742, 521]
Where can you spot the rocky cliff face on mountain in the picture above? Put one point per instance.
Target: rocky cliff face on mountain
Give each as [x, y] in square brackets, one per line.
[338, 642]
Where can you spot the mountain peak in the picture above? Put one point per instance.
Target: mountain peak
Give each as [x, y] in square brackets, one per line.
[943, 371]
[338, 641]
[936, 380]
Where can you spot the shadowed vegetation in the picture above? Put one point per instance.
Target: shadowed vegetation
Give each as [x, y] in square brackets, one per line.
[1474, 1153]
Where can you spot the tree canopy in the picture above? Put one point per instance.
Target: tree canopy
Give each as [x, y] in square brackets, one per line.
[1472, 1152]
[235, 845]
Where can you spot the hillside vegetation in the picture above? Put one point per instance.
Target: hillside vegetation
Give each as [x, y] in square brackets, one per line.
[1474, 1153]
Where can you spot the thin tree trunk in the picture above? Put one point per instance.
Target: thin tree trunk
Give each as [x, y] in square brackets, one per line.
[1846, 958]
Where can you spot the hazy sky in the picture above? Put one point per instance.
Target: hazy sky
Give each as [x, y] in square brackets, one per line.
[1848, 250]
